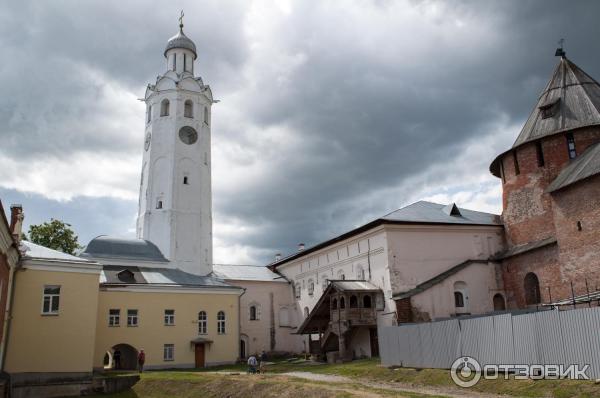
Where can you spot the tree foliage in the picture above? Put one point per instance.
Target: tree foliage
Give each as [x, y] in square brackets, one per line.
[55, 235]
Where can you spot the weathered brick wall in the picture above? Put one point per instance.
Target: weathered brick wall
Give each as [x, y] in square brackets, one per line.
[542, 262]
[404, 310]
[579, 249]
[528, 214]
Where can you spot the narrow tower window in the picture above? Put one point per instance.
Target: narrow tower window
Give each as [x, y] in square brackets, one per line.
[164, 107]
[517, 170]
[185, 180]
[174, 62]
[188, 109]
[149, 114]
[206, 115]
[540, 154]
[571, 146]
[159, 204]
[184, 62]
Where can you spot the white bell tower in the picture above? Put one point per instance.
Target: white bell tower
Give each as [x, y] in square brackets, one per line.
[175, 209]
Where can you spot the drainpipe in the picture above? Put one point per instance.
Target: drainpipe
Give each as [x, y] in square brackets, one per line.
[240, 322]
[369, 257]
[7, 315]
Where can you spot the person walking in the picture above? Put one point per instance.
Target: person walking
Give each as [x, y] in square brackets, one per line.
[252, 364]
[262, 365]
[141, 360]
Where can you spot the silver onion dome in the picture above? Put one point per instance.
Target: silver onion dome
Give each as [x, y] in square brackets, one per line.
[180, 40]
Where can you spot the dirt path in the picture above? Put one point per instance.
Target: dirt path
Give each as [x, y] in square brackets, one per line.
[369, 388]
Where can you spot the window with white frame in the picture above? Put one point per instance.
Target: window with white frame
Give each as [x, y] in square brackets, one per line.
[311, 287]
[169, 317]
[114, 317]
[221, 322]
[202, 322]
[132, 317]
[50, 302]
[340, 275]
[169, 352]
[298, 290]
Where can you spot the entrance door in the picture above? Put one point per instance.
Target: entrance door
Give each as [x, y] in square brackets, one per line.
[242, 349]
[199, 355]
[374, 342]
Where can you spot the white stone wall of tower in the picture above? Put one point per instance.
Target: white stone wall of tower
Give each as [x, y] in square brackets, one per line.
[177, 174]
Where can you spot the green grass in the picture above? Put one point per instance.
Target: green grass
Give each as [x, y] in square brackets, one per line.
[364, 370]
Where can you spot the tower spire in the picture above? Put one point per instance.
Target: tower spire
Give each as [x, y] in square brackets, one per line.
[560, 52]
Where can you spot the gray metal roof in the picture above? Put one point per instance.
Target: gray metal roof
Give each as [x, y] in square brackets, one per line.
[527, 247]
[131, 249]
[583, 166]
[246, 273]
[353, 286]
[180, 40]
[576, 96]
[34, 251]
[421, 212]
[429, 212]
[118, 275]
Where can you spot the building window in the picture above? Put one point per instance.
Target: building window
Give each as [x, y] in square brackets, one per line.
[298, 290]
[532, 289]
[342, 303]
[550, 108]
[164, 107]
[169, 352]
[186, 181]
[51, 300]
[206, 115]
[159, 204]
[334, 304]
[132, 317]
[311, 287]
[114, 317]
[340, 275]
[188, 109]
[540, 154]
[169, 317]
[202, 322]
[174, 61]
[516, 160]
[353, 301]
[360, 273]
[306, 312]
[254, 313]
[221, 322]
[149, 114]
[571, 146]
[499, 304]
[184, 62]
[459, 300]
[367, 301]
[325, 283]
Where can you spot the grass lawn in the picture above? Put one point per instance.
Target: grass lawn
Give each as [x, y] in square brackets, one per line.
[204, 382]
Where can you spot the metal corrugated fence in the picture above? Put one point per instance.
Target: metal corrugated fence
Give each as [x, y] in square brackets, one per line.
[544, 338]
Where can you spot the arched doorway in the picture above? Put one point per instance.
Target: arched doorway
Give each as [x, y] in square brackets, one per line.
[532, 289]
[499, 303]
[124, 357]
[243, 346]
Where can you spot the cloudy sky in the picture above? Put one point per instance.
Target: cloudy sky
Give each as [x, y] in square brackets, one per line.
[332, 113]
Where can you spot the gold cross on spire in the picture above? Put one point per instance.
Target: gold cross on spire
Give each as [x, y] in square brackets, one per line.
[181, 19]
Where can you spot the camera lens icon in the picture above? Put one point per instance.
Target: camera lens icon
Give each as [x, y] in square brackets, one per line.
[465, 372]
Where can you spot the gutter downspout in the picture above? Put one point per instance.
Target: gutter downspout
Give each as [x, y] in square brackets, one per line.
[7, 315]
[369, 257]
[240, 323]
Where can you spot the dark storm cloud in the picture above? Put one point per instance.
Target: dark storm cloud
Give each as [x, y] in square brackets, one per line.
[331, 113]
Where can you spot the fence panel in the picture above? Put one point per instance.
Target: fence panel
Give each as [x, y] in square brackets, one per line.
[547, 337]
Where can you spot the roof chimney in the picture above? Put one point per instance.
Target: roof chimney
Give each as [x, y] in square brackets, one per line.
[277, 257]
[300, 247]
[16, 221]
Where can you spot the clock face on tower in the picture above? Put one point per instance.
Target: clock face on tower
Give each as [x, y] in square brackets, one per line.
[188, 135]
[147, 141]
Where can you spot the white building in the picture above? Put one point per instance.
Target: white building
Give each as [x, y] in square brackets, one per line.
[175, 210]
[426, 260]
